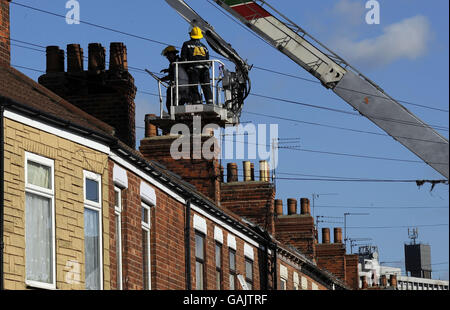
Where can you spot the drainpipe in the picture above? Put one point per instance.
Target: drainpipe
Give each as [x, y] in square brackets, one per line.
[187, 243]
[2, 200]
[275, 273]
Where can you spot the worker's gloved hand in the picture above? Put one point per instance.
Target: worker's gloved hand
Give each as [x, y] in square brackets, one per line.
[164, 71]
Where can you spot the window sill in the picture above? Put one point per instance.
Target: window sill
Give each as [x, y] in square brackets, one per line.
[40, 285]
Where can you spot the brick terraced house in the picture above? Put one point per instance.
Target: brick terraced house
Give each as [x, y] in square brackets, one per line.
[81, 208]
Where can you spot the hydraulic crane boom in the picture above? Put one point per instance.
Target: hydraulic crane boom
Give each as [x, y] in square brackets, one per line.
[347, 82]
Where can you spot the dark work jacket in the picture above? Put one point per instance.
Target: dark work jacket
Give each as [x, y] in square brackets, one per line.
[182, 75]
[194, 50]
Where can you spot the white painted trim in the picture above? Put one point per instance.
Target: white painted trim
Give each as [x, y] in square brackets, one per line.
[98, 208]
[304, 283]
[118, 213]
[116, 158]
[218, 234]
[200, 224]
[97, 178]
[50, 194]
[225, 226]
[248, 251]
[284, 272]
[296, 278]
[147, 227]
[147, 194]
[57, 132]
[120, 176]
[231, 241]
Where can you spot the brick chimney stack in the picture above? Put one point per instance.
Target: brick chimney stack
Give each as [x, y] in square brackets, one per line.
[250, 198]
[55, 60]
[107, 94]
[337, 235]
[204, 174]
[325, 235]
[292, 206]
[296, 229]
[278, 207]
[5, 43]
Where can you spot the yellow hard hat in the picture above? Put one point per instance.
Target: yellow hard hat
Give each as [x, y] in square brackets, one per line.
[169, 49]
[196, 33]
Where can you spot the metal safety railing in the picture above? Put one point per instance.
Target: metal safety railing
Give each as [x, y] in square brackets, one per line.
[216, 68]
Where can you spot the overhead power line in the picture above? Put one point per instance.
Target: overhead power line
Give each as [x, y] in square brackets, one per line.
[391, 227]
[336, 127]
[301, 149]
[302, 78]
[437, 127]
[355, 155]
[92, 24]
[165, 43]
[340, 179]
[139, 70]
[314, 106]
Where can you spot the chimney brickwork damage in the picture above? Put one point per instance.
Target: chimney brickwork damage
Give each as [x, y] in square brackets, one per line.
[106, 94]
[203, 173]
[5, 45]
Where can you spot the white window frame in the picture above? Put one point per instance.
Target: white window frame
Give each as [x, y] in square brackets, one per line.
[50, 194]
[252, 263]
[296, 281]
[95, 206]
[118, 213]
[233, 274]
[283, 276]
[146, 227]
[304, 283]
[283, 280]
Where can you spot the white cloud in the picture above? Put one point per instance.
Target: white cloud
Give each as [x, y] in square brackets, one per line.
[406, 39]
[352, 12]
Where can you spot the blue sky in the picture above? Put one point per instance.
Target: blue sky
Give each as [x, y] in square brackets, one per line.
[407, 55]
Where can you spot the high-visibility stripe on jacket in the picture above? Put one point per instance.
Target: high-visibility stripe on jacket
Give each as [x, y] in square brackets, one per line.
[194, 50]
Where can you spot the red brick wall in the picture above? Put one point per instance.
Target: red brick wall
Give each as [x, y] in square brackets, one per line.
[332, 257]
[253, 200]
[290, 281]
[204, 174]
[210, 259]
[166, 249]
[297, 231]
[5, 47]
[352, 275]
[167, 243]
[116, 108]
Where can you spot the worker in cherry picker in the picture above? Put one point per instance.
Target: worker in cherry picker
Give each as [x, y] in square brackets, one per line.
[171, 53]
[194, 50]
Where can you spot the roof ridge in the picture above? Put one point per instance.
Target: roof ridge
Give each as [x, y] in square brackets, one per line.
[69, 107]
